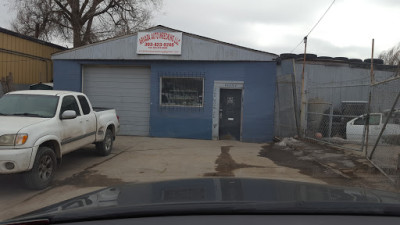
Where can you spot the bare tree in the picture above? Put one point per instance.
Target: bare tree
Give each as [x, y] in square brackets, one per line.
[34, 18]
[391, 56]
[82, 21]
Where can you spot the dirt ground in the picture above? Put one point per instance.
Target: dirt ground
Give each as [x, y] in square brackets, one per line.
[331, 165]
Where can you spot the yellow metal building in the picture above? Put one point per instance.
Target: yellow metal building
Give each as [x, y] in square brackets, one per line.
[27, 59]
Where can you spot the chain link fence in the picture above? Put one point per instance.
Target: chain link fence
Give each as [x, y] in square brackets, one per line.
[342, 108]
[332, 103]
[383, 129]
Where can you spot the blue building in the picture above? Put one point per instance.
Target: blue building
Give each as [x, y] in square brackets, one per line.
[168, 83]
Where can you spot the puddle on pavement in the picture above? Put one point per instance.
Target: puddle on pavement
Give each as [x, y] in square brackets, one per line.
[225, 165]
[290, 159]
[89, 178]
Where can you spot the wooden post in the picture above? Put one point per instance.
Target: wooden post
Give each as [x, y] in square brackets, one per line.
[369, 100]
[303, 97]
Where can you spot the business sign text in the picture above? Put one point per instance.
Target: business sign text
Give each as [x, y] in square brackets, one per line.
[160, 43]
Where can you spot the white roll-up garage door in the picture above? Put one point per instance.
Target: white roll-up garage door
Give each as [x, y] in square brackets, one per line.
[127, 89]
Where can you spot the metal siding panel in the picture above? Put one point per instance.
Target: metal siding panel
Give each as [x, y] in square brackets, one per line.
[193, 48]
[2, 36]
[67, 75]
[25, 70]
[127, 89]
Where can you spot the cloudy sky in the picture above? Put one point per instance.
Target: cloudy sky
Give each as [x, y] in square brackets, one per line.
[278, 26]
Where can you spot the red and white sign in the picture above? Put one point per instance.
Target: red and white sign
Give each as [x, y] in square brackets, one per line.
[159, 43]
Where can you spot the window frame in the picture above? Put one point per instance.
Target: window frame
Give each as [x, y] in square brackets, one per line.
[365, 120]
[78, 104]
[175, 105]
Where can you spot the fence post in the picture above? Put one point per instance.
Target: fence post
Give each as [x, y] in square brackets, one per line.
[330, 122]
[295, 104]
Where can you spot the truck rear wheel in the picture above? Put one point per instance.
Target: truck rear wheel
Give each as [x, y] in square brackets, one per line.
[42, 172]
[104, 147]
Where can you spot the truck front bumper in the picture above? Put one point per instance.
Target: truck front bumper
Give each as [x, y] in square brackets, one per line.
[15, 160]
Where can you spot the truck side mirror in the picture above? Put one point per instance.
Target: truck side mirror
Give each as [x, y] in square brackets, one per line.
[68, 114]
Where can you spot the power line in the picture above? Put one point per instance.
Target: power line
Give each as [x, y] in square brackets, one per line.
[314, 25]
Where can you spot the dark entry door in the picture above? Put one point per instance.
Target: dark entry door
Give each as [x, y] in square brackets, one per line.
[230, 107]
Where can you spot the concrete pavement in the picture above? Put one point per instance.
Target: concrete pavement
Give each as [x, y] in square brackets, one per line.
[141, 159]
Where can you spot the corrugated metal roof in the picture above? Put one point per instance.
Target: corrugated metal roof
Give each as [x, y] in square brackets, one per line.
[194, 47]
[3, 30]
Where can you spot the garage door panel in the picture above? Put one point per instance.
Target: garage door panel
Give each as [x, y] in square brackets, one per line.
[95, 85]
[121, 70]
[123, 105]
[103, 78]
[120, 93]
[121, 80]
[108, 99]
[127, 89]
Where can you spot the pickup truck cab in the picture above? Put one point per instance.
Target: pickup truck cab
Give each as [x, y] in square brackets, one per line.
[38, 127]
[355, 128]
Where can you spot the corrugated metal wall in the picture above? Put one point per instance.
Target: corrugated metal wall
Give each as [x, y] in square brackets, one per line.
[329, 82]
[28, 61]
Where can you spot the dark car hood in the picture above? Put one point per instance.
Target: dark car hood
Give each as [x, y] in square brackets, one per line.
[276, 194]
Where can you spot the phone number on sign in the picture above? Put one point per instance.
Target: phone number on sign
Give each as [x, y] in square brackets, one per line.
[159, 44]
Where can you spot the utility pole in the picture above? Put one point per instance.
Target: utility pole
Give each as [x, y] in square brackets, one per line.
[369, 100]
[303, 94]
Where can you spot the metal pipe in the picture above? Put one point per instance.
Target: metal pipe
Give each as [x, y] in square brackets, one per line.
[383, 172]
[385, 81]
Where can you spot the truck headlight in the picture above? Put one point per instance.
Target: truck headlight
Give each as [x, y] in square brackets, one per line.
[13, 139]
[7, 139]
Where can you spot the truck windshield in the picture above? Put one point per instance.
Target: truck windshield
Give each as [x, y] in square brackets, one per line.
[28, 105]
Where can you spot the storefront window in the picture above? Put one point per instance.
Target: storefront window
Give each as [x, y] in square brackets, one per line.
[178, 91]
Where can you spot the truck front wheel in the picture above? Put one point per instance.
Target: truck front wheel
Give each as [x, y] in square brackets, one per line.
[42, 172]
[104, 147]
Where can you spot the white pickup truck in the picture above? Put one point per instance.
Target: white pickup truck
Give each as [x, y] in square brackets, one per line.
[38, 127]
[391, 135]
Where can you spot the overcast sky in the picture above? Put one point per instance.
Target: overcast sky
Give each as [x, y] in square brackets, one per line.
[278, 26]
